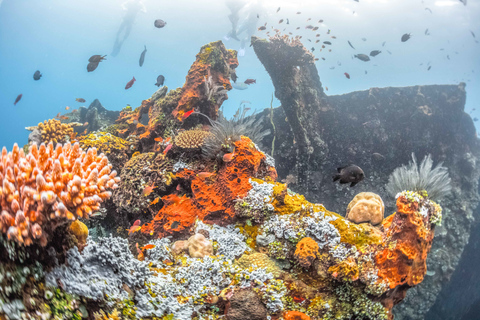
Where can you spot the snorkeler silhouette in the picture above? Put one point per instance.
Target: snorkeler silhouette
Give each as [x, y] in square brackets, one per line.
[132, 8]
[243, 17]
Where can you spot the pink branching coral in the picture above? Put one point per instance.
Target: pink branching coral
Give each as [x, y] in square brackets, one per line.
[50, 186]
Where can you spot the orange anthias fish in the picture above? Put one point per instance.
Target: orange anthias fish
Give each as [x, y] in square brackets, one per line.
[155, 201]
[135, 227]
[187, 114]
[148, 190]
[205, 175]
[158, 139]
[58, 115]
[148, 246]
[67, 108]
[167, 149]
[227, 157]
[85, 124]
[63, 118]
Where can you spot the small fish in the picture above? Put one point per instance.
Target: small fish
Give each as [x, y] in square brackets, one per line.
[389, 52]
[97, 58]
[362, 57]
[37, 75]
[350, 44]
[316, 59]
[281, 20]
[464, 2]
[278, 9]
[81, 100]
[18, 99]
[349, 174]
[158, 139]
[142, 57]
[475, 119]
[148, 247]
[67, 108]
[375, 53]
[366, 72]
[309, 19]
[155, 201]
[262, 28]
[160, 81]
[148, 190]
[326, 88]
[298, 12]
[250, 81]
[313, 49]
[205, 175]
[317, 35]
[288, 22]
[331, 68]
[167, 149]
[333, 37]
[383, 43]
[159, 23]
[346, 75]
[406, 36]
[85, 124]
[187, 114]
[448, 57]
[473, 34]
[228, 157]
[426, 32]
[309, 27]
[315, 29]
[130, 83]
[428, 9]
[328, 32]
[429, 67]
[320, 21]
[317, 41]
[92, 66]
[327, 42]
[63, 118]
[135, 227]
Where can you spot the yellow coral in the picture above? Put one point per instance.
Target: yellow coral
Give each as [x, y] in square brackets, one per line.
[53, 130]
[115, 315]
[366, 207]
[306, 252]
[80, 230]
[191, 139]
[104, 142]
[259, 260]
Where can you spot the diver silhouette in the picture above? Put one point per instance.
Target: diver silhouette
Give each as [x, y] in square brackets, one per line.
[243, 17]
[132, 8]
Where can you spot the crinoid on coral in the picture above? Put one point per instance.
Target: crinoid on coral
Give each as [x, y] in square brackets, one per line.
[224, 133]
[50, 186]
[191, 139]
[436, 182]
[53, 130]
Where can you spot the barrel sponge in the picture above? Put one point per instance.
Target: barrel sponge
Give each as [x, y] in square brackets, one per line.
[366, 207]
[306, 251]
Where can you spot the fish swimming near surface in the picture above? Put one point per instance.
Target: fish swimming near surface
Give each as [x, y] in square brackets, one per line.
[362, 57]
[426, 32]
[327, 42]
[309, 27]
[350, 44]
[262, 28]
[81, 100]
[349, 174]
[92, 66]
[159, 23]
[130, 83]
[97, 58]
[406, 36]
[346, 75]
[18, 99]
[240, 86]
[375, 53]
[250, 81]
[142, 57]
[160, 81]
[37, 75]
[278, 9]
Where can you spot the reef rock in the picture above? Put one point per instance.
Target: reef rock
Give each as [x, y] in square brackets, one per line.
[245, 304]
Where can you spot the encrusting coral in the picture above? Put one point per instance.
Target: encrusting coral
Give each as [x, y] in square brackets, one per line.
[366, 207]
[53, 130]
[49, 186]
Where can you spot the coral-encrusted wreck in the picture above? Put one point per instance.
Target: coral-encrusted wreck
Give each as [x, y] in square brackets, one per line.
[211, 236]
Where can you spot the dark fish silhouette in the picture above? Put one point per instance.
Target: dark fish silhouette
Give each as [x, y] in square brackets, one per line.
[473, 34]
[142, 57]
[428, 9]
[18, 99]
[362, 57]
[346, 75]
[160, 81]
[375, 53]
[288, 22]
[464, 2]
[159, 23]
[37, 75]
[383, 44]
[426, 32]
[278, 9]
[349, 174]
[81, 100]
[327, 42]
[430, 67]
[350, 44]
[97, 58]
[364, 39]
[406, 36]
[92, 66]
[130, 83]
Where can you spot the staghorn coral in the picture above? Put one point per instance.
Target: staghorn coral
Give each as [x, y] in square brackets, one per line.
[415, 177]
[306, 252]
[49, 186]
[366, 207]
[191, 139]
[53, 130]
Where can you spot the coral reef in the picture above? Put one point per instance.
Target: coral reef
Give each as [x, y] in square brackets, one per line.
[52, 130]
[366, 207]
[49, 186]
[191, 139]
[306, 252]
[314, 140]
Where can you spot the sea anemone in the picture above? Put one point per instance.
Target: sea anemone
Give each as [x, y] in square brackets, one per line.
[436, 182]
[224, 133]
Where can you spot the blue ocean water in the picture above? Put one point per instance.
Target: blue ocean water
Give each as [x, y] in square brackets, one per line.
[58, 36]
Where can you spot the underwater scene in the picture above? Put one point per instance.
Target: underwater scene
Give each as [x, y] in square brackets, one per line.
[239, 159]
